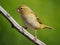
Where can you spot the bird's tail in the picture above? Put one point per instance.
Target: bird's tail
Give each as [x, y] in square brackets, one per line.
[48, 27]
[45, 26]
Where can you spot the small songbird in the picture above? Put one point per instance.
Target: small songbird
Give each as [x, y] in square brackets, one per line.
[30, 20]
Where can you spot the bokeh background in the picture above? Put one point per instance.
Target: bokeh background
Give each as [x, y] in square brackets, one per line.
[47, 10]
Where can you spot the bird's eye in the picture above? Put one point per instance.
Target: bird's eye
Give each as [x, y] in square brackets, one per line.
[21, 8]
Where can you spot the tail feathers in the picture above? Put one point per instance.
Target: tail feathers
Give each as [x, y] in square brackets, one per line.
[48, 27]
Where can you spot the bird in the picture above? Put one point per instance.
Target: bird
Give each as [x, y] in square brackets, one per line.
[31, 20]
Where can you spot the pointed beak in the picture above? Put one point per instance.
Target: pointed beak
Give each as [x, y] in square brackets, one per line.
[17, 10]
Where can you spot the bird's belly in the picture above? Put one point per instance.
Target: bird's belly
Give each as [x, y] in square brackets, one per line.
[31, 22]
[32, 25]
[35, 24]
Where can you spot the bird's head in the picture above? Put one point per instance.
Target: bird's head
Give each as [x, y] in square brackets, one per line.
[24, 9]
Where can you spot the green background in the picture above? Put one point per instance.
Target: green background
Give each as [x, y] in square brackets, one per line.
[47, 10]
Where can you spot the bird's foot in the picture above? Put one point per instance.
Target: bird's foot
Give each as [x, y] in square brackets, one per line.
[35, 38]
[22, 29]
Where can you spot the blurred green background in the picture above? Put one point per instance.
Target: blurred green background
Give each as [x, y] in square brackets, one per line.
[47, 10]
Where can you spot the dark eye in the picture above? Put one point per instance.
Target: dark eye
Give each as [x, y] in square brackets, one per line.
[21, 8]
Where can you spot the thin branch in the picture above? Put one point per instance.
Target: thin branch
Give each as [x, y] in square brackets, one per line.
[19, 28]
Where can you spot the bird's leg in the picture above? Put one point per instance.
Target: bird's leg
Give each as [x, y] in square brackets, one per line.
[35, 38]
[24, 27]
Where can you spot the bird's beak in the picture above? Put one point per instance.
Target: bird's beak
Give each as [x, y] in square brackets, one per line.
[17, 10]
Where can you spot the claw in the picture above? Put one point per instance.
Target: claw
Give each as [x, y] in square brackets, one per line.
[35, 37]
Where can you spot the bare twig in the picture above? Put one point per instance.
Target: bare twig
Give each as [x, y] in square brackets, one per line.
[19, 28]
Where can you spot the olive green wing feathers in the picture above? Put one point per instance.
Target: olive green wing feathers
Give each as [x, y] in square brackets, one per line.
[37, 18]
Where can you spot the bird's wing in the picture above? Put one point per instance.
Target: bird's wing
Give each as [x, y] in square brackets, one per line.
[37, 18]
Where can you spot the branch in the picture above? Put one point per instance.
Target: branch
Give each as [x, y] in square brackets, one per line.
[19, 28]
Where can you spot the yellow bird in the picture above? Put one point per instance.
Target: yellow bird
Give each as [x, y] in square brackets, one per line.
[31, 20]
